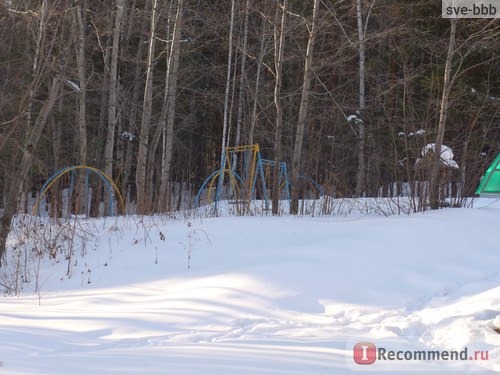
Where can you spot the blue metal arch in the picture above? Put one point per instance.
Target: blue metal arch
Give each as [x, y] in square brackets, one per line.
[55, 176]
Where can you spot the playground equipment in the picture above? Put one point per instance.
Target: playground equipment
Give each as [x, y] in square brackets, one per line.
[283, 180]
[71, 171]
[313, 184]
[243, 166]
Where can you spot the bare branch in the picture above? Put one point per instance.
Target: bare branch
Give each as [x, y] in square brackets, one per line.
[8, 122]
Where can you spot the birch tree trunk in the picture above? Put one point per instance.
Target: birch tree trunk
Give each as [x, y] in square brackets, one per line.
[241, 93]
[143, 201]
[168, 122]
[279, 46]
[301, 123]
[226, 96]
[361, 174]
[443, 112]
[99, 144]
[136, 92]
[104, 107]
[226, 93]
[253, 117]
[160, 130]
[113, 78]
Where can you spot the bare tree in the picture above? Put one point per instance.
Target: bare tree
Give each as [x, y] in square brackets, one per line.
[16, 184]
[32, 129]
[79, 26]
[130, 136]
[447, 84]
[304, 103]
[143, 201]
[279, 47]
[113, 79]
[485, 36]
[241, 93]
[159, 131]
[225, 122]
[260, 58]
[79, 22]
[168, 112]
[362, 26]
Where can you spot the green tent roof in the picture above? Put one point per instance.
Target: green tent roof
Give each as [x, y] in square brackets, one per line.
[490, 184]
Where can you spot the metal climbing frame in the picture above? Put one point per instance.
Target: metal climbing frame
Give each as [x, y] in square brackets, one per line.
[243, 172]
[283, 180]
[243, 166]
[108, 182]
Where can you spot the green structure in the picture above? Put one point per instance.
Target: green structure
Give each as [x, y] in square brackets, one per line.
[490, 184]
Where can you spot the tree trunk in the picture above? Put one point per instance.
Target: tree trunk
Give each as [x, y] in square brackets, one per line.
[361, 175]
[253, 117]
[112, 101]
[36, 58]
[241, 93]
[143, 201]
[16, 184]
[169, 110]
[130, 138]
[98, 148]
[82, 81]
[79, 22]
[226, 98]
[160, 128]
[435, 170]
[301, 123]
[56, 133]
[113, 78]
[279, 45]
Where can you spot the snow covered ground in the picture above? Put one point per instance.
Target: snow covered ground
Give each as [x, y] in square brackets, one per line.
[252, 295]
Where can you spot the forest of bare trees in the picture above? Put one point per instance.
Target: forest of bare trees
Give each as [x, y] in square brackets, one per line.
[347, 93]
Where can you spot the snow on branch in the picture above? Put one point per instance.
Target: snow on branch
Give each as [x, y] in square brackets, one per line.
[446, 154]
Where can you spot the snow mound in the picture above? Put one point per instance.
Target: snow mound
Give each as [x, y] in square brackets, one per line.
[253, 295]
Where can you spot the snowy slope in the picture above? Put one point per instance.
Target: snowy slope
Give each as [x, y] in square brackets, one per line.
[255, 295]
